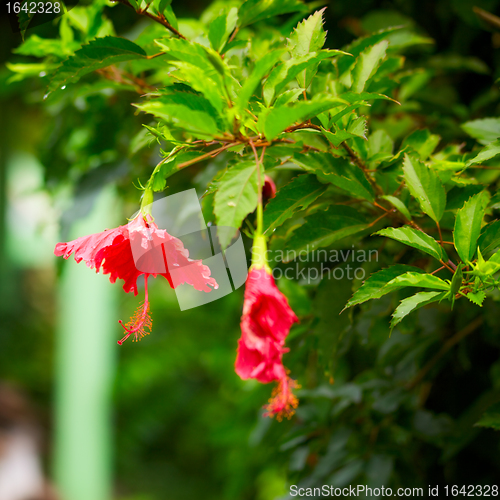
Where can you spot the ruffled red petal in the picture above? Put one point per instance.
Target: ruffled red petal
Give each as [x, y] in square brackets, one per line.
[265, 364]
[139, 248]
[266, 312]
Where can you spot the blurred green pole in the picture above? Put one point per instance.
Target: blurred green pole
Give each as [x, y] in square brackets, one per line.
[85, 367]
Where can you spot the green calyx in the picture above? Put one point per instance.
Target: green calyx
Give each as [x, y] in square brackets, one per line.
[147, 201]
[259, 253]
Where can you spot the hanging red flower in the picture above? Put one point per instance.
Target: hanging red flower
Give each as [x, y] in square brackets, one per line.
[265, 324]
[135, 249]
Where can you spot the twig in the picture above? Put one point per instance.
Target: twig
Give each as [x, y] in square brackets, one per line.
[357, 161]
[159, 19]
[488, 17]
[377, 219]
[399, 188]
[113, 74]
[233, 35]
[450, 262]
[381, 207]
[437, 270]
[440, 235]
[251, 114]
[415, 226]
[301, 126]
[448, 267]
[212, 154]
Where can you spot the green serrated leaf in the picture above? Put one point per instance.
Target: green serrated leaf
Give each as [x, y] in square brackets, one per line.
[209, 62]
[163, 7]
[422, 142]
[397, 203]
[425, 186]
[338, 137]
[482, 268]
[468, 226]
[236, 196]
[160, 5]
[201, 68]
[278, 119]
[97, 54]
[490, 237]
[354, 97]
[485, 130]
[190, 112]
[193, 77]
[289, 70]
[380, 142]
[252, 11]
[477, 297]
[373, 287]
[336, 171]
[358, 127]
[171, 17]
[416, 239]
[413, 303]
[487, 153]
[260, 70]
[408, 279]
[366, 65]
[221, 27]
[418, 280]
[359, 45]
[324, 228]
[286, 97]
[297, 195]
[309, 36]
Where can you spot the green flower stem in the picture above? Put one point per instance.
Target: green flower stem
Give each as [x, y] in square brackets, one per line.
[147, 201]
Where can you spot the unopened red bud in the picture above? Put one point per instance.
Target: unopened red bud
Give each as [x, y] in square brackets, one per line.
[269, 189]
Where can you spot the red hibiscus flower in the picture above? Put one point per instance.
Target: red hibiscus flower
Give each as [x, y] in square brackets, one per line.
[266, 321]
[135, 249]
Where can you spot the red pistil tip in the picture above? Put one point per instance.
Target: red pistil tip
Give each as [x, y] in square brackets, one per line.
[283, 402]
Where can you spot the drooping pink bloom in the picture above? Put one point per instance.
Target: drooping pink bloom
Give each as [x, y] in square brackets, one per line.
[135, 249]
[265, 324]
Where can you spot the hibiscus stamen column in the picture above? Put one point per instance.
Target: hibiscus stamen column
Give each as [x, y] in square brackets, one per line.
[140, 323]
[265, 324]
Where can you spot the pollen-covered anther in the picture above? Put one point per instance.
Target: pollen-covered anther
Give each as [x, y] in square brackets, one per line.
[283, 402]
[140, 323]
